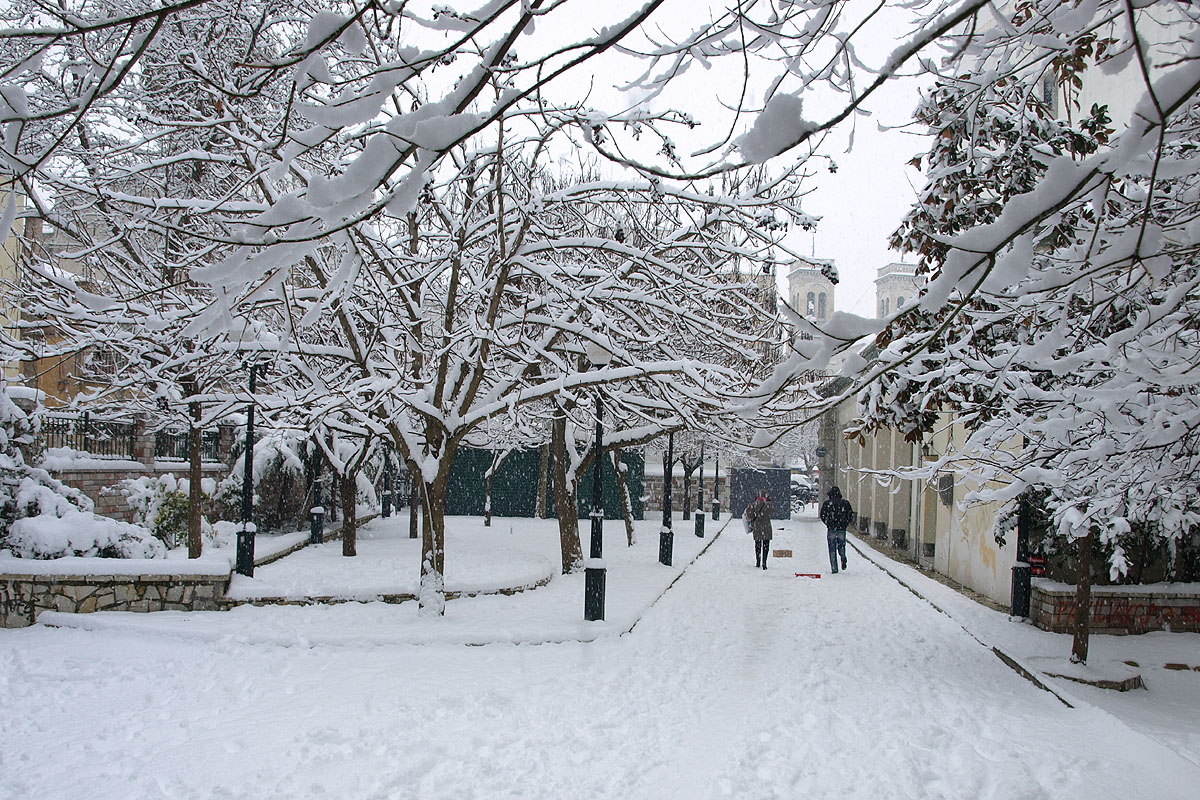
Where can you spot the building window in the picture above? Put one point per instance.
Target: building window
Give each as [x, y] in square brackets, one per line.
[821, 306]
[946, 488]
[102, 362]
[900, 302]
[812, 304]
[886, 306]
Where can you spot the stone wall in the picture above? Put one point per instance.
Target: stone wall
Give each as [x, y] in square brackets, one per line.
[23, 597]
[653, 496]
[1117, 609]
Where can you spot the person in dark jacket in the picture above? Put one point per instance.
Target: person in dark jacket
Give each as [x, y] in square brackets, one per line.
[759, 514]
[836, 514]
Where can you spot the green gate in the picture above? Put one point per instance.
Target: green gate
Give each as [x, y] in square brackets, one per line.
[514, 487]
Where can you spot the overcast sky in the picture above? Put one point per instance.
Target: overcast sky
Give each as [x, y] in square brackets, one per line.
[860, 204]
[864, 201]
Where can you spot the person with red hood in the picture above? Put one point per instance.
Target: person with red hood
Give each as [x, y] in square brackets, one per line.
[758, 515]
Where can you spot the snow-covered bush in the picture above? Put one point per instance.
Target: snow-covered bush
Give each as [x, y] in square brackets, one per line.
[279, 483]
[72, 532]
[160, 503]
[40, 517]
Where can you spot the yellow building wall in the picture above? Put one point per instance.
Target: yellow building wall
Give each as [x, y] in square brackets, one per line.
[9, 254]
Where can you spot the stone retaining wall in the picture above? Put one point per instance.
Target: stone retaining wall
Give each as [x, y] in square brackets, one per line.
[653, 492]
[23, 597]
[1116, 610]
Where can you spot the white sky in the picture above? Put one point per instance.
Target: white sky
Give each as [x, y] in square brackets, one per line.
[872, 189]
[860, 205]
[864, 201]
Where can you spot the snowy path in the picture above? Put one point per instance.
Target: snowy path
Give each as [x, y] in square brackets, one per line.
[737, 683]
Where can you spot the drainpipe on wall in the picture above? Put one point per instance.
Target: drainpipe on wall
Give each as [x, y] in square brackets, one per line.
[915, 511]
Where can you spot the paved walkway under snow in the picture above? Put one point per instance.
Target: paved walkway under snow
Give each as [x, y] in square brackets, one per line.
[737, 683]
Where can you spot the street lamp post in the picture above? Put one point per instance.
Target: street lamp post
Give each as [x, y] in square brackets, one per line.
[316, 515]
[666, 536]
[1022, 571]
[700, 497]
[595, 573]
[387, 485]
[717, 487]
[245, 536]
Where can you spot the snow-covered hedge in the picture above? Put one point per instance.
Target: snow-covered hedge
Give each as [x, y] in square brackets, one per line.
[40, 517]
[278, 478]
[160, 503]
[80, 533]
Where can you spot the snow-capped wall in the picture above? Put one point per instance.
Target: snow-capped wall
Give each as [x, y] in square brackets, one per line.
[1118, 609]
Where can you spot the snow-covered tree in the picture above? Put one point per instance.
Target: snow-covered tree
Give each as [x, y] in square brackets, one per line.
[367, 198]
[1059, 322]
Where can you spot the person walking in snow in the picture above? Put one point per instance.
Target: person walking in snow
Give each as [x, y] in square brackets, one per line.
[758, 516]
[836, 514]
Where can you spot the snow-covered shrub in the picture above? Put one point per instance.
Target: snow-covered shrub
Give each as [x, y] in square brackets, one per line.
[80, 533]
[279, 483]
[40, 517]
[161, 504]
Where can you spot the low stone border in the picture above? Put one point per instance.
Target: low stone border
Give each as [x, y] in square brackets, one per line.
[1125, 685]
[393, 598]
[23, 597]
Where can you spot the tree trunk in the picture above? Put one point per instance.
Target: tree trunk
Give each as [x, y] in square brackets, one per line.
[564, 499]
[195, 492]
[497, 460]
[487, 498]
[432, 599]
[1083, 599]
[349, 514]
[626, 502]
[543, 479]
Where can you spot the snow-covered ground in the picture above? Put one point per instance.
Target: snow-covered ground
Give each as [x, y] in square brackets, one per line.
[734, 683]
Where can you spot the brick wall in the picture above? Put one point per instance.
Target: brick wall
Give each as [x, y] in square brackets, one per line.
[97, 482]
[1117, 610]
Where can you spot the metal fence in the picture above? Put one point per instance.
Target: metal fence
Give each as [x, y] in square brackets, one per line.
[173, 445]
[102, 438]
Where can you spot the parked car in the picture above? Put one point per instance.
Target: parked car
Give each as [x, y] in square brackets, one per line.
[803, 490]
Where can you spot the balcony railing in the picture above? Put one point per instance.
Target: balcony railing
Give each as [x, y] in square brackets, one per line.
[173, 445]
[100, 438]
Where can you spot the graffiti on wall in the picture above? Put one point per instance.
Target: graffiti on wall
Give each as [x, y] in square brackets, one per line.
[1133, 614]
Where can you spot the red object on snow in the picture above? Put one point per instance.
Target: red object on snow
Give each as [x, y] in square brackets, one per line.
[808, 574]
